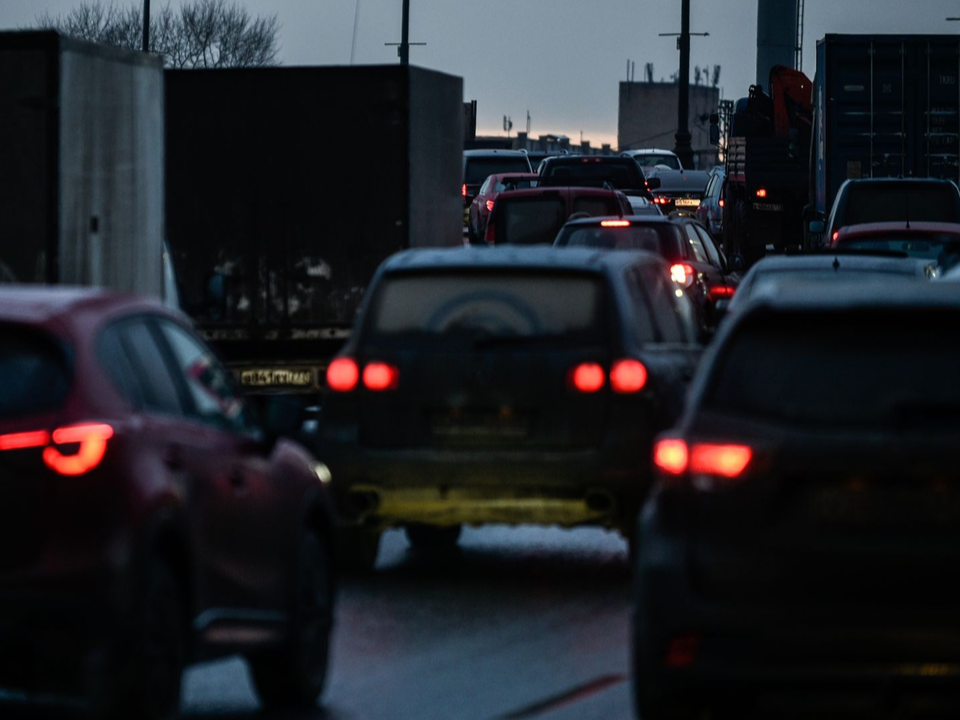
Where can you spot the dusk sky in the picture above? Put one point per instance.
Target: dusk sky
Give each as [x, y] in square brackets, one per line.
[561, 59]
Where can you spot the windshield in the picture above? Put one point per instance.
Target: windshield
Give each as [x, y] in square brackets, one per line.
[478, 169]
[663, 239]
[464, 305]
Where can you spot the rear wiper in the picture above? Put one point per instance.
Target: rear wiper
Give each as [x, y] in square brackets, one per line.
[488, 341]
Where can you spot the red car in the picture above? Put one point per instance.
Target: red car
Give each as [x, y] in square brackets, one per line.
[482, 204]
[147, 519]
[535, 216]
[937, 242]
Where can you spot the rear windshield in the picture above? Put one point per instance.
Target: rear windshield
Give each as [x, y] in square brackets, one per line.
[669, 161]
[479, 169]
[945, 251]
[662, 239]
[515, 184]
[773, 278]
[530, 221]
[482, 306]
[621, 175]
[883, 202]
[866, 369]
[33, 372]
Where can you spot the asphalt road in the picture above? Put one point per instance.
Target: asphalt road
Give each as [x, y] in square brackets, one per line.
[518, 623]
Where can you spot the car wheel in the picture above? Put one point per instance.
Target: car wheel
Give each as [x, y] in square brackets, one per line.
[142, 680]
[293, 675]
[356, 549]
[430, 538]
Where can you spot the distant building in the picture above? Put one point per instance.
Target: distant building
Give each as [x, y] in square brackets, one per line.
[648, 118]
[558, 144]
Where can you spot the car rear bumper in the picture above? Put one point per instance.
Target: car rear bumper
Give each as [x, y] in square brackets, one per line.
[444, 487]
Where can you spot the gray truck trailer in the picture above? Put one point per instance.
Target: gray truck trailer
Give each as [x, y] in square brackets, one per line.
[286, 188]
[81, 176]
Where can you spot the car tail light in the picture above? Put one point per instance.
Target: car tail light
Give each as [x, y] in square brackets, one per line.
[722, 292]
[614, 223]
[661, 200]
[24, 440]
[587, 378]
[726, 461]
[380, 376]
[628, 377]
[720, 203]
[836, 234]
[682, 651]
[682, 274]
[91, 441]
[489, 205]
[463, 190]
[671, 456]
[762, 193]
[343, 374]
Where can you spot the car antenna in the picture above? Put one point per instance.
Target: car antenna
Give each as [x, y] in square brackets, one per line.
[836, 264]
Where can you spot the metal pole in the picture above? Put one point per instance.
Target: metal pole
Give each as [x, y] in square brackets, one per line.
[405, 35]
[683, 148]
[146, 26]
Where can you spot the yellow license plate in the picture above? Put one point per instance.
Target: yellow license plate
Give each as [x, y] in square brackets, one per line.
[686, 202]
[275, 377]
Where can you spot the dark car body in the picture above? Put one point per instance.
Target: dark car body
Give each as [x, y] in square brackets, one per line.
[678, 190]
[882, 200]
[696, 262]
[483, 203]
[935, 243]
[475, 410]
[478, 165]
[802, 536]
[124, 447]
[534, 216]
[600, 171]
[710, 210]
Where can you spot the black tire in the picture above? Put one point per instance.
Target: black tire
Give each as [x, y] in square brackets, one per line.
[430, 538]
[356, 549]
[142, 680]
[293, 675]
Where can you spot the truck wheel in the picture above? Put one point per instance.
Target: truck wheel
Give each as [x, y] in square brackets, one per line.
[430, 538]
[356, 549]
[293, 675]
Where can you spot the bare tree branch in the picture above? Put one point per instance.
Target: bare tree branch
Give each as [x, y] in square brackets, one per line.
[201, 34]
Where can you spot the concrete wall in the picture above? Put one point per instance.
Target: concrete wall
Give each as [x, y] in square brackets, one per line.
[648, 118]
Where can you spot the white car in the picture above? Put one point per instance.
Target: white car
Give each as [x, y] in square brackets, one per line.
[652, 157]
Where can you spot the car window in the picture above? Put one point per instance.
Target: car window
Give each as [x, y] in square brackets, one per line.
[529, 221]
[34, 376]
[157, 385]
[709, 246]
[485, 188]
[116, 362]
[658, 287]
[888, 202]
[710, 185]
[596, 207]
[642, 328]
[696, 246]
[210, 385]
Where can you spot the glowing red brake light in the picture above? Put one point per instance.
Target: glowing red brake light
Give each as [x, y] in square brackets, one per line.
[489, 205]
[659, 200]
[92, 440]
[727, 461]
[671, 456]
[587, 378]
[682, 274]
[762, 193]
[722, 292]
[380, 376]
[836, 234]
[720, 203]
[628, 376]
[23, 440]
[463, 190]
[343, 375]
[614, 223]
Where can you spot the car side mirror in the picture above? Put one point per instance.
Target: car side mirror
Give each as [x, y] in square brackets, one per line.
[715, 129]
[653, 183]
[283, 417]
[817, 227]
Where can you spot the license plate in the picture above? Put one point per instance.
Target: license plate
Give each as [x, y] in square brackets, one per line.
[768, 207]
[277, 377]
[686, 202]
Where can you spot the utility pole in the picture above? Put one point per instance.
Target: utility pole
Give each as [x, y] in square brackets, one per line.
[405, 34]
[146, 26]
[683, 148]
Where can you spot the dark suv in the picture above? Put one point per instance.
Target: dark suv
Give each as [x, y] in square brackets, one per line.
[504, 385]
[147, 521]
[600, 171]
